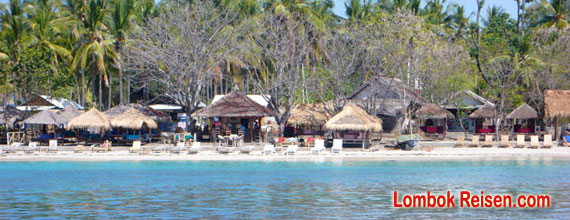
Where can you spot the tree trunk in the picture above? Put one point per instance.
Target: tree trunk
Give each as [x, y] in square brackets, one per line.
[128, 90]
[100, 93]
[83, 94]
[120, 84]
[110, 97]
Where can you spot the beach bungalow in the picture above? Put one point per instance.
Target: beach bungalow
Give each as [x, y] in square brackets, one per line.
[461, 104]
[136, 120]
[44, 126]
[484, 120]
[43, 102]
[391, 99]
[433, 119]
[353, 125]
[523, 119]
[92, 121]
[308, 119]
[556, 107]
[234, 113]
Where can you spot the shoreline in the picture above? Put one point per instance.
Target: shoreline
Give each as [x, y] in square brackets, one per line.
[304, 155]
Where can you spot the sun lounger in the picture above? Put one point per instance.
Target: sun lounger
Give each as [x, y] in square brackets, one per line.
[268, 149]
[79, 149]
[52, 146]
[474, 141]
[534, 142]
[337, 146]
[12, 148]
[32, 146]
[566, 140]
[136, 147]
[159, 149]
[319, 146]
[460, 141]
[504, 141]
[488, 141]
[180, 146]
[291, 150]
[225, 150]
[520, 141]
[245, 150]
[547, 141]
[98, 148]
[195, 148]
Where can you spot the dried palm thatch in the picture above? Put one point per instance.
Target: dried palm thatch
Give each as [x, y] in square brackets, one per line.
[433, 111]
[353, 117]
[557, 103]
[45, 117]
[133, 119]
[9, 115]
[524, 111]
[234, 104]
[91, 119]
[308, 115]
[69, 113]
[486, 111]
[144, 109]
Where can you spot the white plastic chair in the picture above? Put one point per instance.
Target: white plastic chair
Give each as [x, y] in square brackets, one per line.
[319, 146]
[52, 146]
[291, 150]
[195, 148]
[268, 149]
[337, 146]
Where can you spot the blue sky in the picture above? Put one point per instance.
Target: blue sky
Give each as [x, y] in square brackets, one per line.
[510, 6]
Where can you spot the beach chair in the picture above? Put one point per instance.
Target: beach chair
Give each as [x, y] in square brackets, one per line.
[566, 140]
[52, 146]
[520, 141]
[474, 141]
[32, 146]
[12, 148]
[224, 150]
[460, 141]
[268, 149]
[319, 146]
[534, 141]
[504, 141]
[79, 149]
[195, 148]
[310, 142]
[136, 147]
[291, 150]
[337, 146]
[245, 150]
[159, 149]
[488, 141]
[180, 146]
[547, 141]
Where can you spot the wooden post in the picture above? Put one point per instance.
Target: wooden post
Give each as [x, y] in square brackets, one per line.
[556, 137]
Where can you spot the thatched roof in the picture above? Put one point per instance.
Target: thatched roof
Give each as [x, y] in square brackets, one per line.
[524, 111]
[9, 115]
[308, 115]
[234, 104]
[133, 119]
[144, 109]
[69, 112]
[353, 117]
[45, 117]
[91, 119]
[557, 103]
[433, 111]
[486, 111]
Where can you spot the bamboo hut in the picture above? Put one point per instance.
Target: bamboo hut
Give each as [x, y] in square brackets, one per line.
[556, 106]
[523, 119]
[91, 119]
[484, 119]
[133, 119]
[433, 119]
[48, 119]
[233, 114]
[308, 119]
[118, 110]
[353, 124]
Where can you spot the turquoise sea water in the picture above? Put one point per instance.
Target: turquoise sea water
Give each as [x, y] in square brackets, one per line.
[270, 190]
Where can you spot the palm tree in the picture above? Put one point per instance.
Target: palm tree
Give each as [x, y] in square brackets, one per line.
[557, 13]
[457, 20]
[122, 15]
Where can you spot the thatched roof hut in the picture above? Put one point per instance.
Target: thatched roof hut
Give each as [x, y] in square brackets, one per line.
[433, 111]
[234, 104]
[133, 119]
[45, 117]
[353, 117]
[524, 111]
[9, 115]
[308, 115]
[91, 119]
[557, 103]
[69, 113]
[486, 111]
[143, 109]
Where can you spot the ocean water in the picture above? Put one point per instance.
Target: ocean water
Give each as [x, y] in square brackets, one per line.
[271, 190]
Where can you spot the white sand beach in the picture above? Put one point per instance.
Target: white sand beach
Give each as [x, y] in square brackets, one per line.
[440, 151]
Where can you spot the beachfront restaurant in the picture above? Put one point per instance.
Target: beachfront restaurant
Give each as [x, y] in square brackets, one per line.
[556, 107]
[433, 120]
[132, 122]
[93, 122]
[523, 120]
[353, 125]
[234, 114]
[44, 126]
[484, 120]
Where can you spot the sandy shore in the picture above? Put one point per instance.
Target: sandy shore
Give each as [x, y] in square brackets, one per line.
[304, 154]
